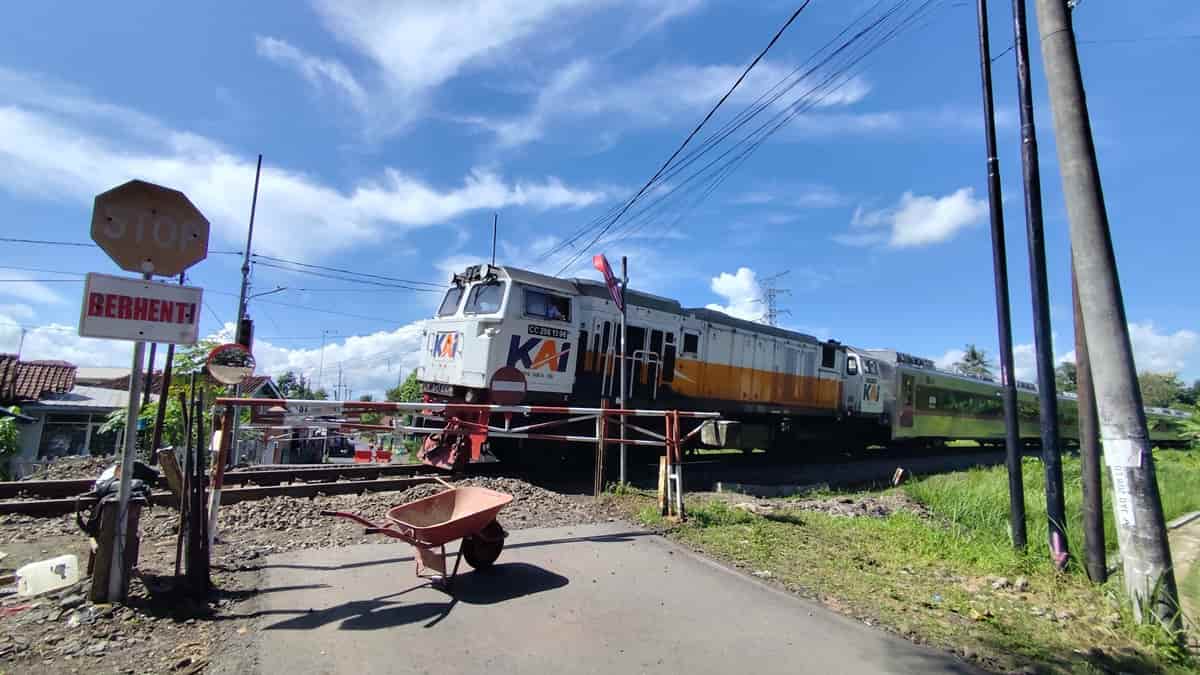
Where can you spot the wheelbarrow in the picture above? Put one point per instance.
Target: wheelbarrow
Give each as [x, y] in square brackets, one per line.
[467, 513]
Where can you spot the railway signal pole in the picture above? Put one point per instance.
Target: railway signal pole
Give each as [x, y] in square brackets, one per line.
[1012, 439]
[1146, 558]
[1047, 398]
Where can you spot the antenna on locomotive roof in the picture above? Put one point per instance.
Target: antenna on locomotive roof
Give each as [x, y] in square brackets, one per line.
[495, 223]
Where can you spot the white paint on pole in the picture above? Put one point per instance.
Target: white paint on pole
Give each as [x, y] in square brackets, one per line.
[1120, 452]
[120, 308]
[1123, 499]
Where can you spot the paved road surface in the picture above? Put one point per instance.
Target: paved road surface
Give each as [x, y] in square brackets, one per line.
[590, 599]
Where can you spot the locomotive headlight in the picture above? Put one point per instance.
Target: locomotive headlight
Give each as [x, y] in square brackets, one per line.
[491, 332]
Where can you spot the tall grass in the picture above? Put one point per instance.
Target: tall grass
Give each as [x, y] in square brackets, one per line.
[978, 499]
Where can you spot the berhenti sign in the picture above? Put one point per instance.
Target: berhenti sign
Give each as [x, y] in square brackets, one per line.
[121, 308]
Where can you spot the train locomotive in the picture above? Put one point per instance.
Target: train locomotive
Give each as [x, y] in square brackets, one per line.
[776, 389]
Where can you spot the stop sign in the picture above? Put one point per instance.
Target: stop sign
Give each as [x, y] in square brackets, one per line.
[148, 228]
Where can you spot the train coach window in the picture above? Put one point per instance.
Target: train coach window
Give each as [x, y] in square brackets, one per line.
[691, 344]
[547, 306]
[485, 298]
[450, 303]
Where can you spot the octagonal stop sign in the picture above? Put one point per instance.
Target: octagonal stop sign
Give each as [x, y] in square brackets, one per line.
[149, 228]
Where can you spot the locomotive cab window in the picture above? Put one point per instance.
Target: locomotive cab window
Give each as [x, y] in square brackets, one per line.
[449, 304]
[547, 306]
[851, 366]
[485, 298]
[691, 344]
[828, 356]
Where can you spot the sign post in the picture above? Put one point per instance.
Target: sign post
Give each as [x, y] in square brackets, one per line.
[617, 290]
[146, 229]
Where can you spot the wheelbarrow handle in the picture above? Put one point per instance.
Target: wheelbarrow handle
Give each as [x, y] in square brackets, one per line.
[351, 516]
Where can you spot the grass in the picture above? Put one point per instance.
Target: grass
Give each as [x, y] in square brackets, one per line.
[930, 577]
[978, 500]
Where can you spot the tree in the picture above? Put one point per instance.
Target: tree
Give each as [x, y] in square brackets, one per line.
[974, 362]
[1066, 377]
[408, 392]
[1190, 395]
[1160, 390]
[10, 440]
[294, 386]
[370, 417]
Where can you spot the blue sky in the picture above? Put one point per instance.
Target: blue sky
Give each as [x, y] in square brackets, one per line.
[393, 130]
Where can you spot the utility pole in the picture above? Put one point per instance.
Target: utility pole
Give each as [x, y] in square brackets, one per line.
[244, 328]
[770, 297]
[147, 386]
[1141, 531]
[495, 227]
[321, 367]
[164, 388]
[623, 399]
[1089, 447]
[1047, 398]
[1012, 430]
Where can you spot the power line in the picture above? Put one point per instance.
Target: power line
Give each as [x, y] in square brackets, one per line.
[41, 281]
[40, 269]
[811, 96]
[653, 179]
[349, 272]
[340, 277]
[82, 244]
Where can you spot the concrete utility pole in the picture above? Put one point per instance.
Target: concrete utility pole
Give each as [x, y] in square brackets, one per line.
[1012, 438]
[1047, 396]
[1089, 448]
[1146, 558]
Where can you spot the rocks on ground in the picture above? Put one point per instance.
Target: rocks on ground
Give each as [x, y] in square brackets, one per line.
[159, 630]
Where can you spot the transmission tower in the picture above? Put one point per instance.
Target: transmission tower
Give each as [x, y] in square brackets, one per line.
[770, 298]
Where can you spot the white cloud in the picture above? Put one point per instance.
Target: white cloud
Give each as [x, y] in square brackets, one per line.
[21, 286]
[946, 361]
[320, 73]
[369, 363]
[1162, 352]
[18, 312]
[98, 146]
[414, 47]
[917, 220]
[60, 342]
[742, 292]
[660, 96]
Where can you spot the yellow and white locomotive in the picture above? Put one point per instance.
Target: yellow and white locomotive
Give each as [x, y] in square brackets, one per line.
[773, 387]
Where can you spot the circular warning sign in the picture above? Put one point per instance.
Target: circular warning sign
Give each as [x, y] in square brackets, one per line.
[508, 386]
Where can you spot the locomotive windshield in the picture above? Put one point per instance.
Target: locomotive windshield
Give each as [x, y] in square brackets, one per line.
[450, 302]
[485, 298]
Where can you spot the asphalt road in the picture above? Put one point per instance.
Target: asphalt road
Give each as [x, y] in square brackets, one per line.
[582, 599]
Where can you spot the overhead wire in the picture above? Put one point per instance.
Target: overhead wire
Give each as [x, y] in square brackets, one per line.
[708, 116]
[811, 96]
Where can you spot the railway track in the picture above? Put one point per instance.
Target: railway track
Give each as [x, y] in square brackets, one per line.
[56, 497]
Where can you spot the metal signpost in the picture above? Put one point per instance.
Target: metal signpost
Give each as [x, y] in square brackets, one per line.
[146, 229]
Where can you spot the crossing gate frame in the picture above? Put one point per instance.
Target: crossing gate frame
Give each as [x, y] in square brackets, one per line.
[463, 419]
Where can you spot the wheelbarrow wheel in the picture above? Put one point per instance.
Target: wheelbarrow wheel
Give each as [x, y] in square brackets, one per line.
[481, 550]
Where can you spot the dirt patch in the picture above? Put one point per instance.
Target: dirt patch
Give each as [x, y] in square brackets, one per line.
[159, 630]
[852, 506]
[71, 468]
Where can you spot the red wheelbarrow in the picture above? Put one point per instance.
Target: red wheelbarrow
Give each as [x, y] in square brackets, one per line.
[467, 513]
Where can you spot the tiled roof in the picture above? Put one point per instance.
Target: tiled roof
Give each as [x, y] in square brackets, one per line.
[29, 380]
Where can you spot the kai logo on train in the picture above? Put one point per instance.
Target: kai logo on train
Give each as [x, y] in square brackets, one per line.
[447, 345]
[539, 354]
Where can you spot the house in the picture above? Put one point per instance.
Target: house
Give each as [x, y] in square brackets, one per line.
[63, 417]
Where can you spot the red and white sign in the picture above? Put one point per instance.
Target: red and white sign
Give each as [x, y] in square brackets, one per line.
[614, 286]
[120, 308]
[508, 386]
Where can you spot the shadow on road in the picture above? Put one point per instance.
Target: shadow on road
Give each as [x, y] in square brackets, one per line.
[502, 583]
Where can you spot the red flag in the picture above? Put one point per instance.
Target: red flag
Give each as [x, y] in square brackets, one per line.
[614, 287]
